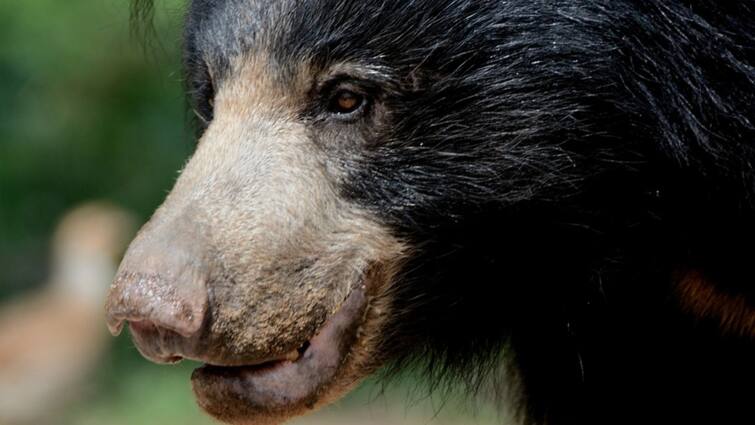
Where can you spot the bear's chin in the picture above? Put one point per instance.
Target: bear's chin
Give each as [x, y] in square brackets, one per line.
[271, 392]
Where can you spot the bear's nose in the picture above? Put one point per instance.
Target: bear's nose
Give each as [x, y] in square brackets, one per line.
[162, 282]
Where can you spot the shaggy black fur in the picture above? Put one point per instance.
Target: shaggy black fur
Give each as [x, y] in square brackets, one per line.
[557, 164]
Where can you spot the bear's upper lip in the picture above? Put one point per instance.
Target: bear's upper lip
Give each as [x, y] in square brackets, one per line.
[155, 344]
[285, 382]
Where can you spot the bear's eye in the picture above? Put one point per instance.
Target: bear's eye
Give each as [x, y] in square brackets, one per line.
[346, 102]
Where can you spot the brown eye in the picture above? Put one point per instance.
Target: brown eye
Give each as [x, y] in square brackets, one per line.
[346, 102]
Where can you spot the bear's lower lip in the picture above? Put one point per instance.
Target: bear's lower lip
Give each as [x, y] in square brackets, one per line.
[258, 367]
[289, 358]
[282, 385]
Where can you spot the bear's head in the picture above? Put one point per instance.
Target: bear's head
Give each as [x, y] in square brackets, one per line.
[341, 142]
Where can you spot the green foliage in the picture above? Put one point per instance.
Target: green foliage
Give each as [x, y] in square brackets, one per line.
[83, 115]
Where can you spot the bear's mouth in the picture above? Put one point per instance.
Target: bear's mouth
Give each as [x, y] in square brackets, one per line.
[289, 382]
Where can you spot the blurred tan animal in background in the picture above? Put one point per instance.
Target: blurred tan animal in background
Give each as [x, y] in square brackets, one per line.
[50, 340]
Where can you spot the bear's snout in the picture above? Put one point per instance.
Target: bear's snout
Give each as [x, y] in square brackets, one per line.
[160, 291]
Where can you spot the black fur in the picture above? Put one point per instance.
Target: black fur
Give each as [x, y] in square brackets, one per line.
[556, 164]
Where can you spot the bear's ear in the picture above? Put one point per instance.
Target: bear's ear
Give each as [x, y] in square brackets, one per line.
[733, 313]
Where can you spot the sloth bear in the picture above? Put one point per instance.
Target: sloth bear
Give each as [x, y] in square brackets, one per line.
[564, 188]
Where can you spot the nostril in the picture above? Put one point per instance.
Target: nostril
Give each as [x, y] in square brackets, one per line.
[142, 327]
[155, 342]
[148, 330]
[173, 359]
[178, 304]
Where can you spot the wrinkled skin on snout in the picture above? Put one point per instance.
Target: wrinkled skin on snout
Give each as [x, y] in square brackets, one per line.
[256, 266]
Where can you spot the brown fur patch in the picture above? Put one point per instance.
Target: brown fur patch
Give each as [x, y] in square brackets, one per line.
[700, 297]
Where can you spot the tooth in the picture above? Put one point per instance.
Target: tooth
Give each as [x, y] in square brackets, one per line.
[292, 356]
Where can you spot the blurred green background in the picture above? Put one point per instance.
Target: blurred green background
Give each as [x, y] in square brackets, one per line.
[88, 113]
